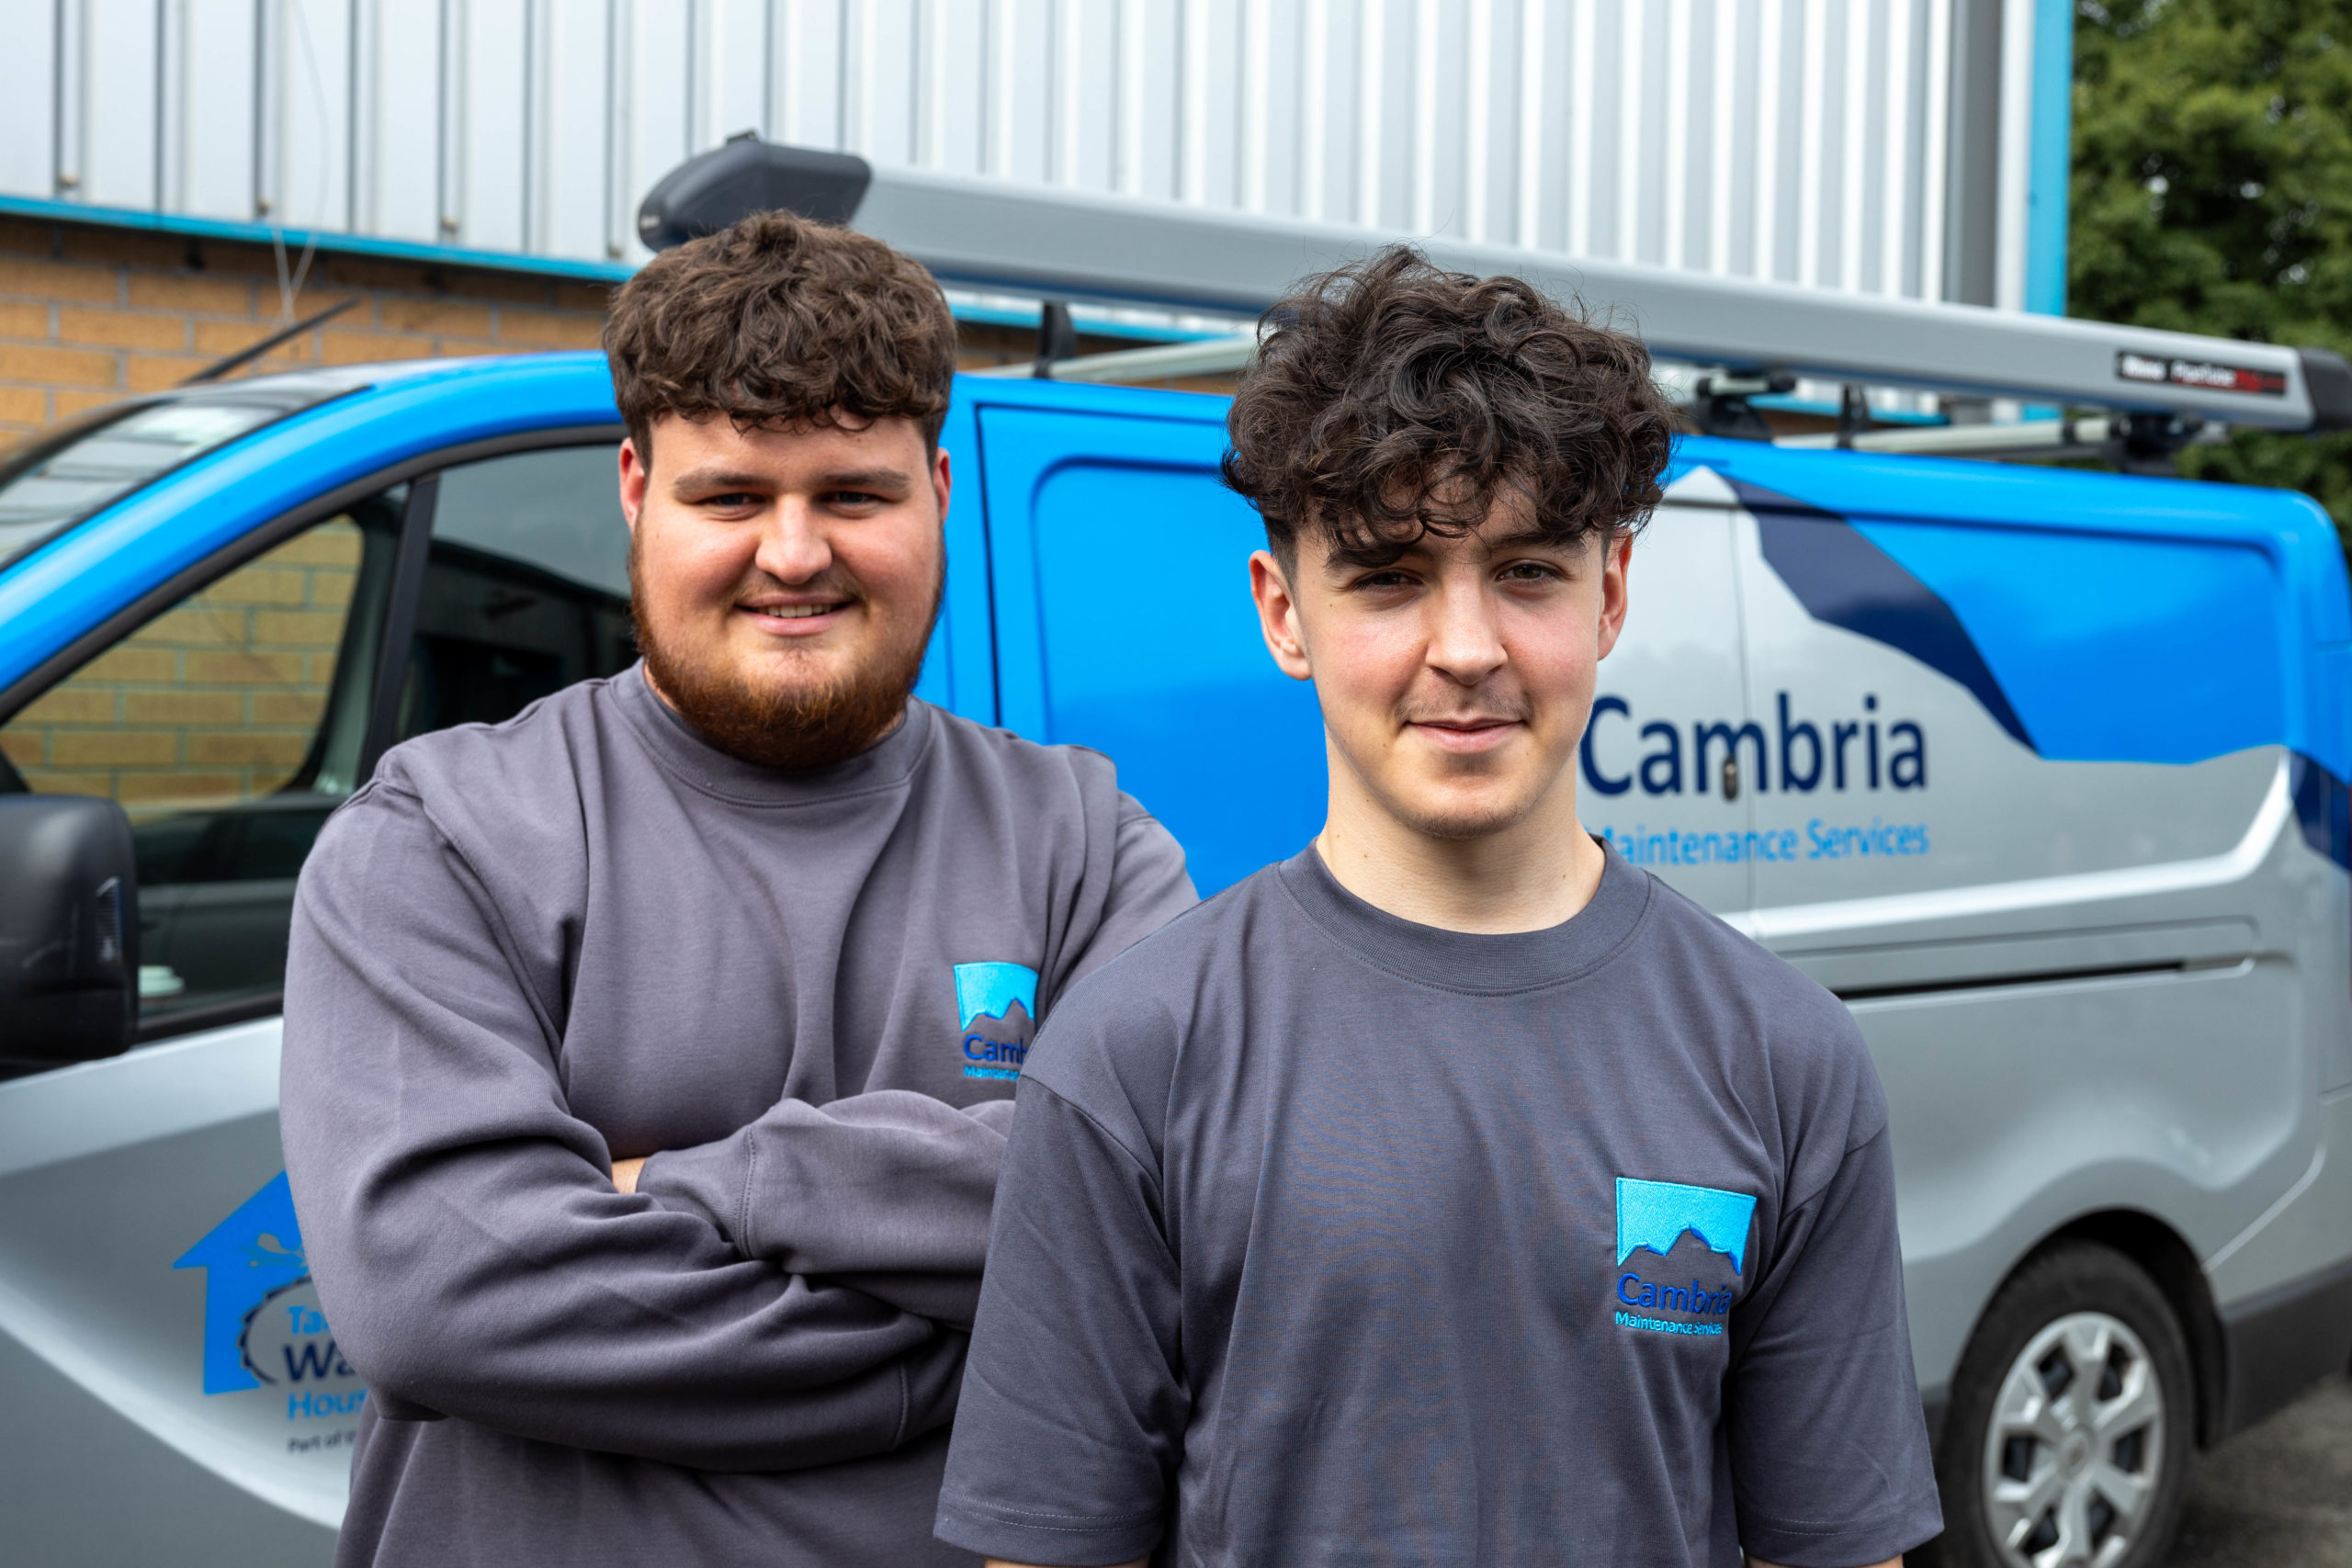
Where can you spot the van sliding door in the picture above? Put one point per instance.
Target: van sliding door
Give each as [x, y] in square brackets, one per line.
[2041, 848]
[1121, 567]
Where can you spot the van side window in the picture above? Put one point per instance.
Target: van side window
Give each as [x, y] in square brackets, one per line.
[526, 588]
[228, 727]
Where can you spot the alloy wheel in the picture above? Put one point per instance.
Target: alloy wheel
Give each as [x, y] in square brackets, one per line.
[2073, 1451]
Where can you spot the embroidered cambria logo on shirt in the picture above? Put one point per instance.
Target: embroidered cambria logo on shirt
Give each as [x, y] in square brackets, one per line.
[997, 1004]
[1653, 1217]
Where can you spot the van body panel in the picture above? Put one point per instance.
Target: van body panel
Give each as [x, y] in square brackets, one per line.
[1672, 758]
[2302, 1232]
[2097, 599]
[2039, 802]
[88, 1485]
[136, 1152]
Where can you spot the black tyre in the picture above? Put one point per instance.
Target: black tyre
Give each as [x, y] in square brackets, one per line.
[2067, 1441]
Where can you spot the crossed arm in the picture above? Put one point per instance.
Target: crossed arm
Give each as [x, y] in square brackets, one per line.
[482, 1256]
[467, 1239]
[886, 1191]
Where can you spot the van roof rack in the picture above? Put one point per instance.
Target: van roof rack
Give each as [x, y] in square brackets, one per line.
[1057, 243]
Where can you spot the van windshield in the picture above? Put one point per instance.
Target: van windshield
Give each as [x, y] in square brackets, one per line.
[56, 480]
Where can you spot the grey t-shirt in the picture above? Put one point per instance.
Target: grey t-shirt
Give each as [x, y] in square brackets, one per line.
[523, 952]
[1326, 1239]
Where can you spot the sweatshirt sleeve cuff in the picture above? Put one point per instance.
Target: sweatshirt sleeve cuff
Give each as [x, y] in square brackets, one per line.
[1049, 1541]
[710, 1180]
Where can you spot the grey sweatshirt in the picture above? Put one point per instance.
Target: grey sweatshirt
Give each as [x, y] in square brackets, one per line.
[523, 952]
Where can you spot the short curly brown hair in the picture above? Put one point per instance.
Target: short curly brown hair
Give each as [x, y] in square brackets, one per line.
[781, 321]
[1391, 398]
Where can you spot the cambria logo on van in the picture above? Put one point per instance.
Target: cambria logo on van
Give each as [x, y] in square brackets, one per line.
[1867, 752]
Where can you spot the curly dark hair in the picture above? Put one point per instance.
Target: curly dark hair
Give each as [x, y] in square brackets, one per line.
[1391, 398]
[779, 320]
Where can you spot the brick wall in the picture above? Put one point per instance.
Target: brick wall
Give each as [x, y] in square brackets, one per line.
[89, 314]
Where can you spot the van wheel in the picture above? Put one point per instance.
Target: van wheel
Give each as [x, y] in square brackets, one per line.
[2067, 1438]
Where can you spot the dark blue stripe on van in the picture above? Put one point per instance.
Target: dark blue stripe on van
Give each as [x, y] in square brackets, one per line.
[1843, 579]
[2323, 806]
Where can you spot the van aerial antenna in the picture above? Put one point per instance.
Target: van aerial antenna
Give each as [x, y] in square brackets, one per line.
[251, 352]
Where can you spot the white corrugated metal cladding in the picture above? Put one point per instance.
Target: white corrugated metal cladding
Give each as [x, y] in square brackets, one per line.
[1822, 141]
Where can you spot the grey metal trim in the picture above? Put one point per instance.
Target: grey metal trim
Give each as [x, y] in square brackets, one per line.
[2039, 437]
[1208, 356]
[1059, 243]
[1973, 162]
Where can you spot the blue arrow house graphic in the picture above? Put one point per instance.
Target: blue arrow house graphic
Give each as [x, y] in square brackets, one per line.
[256, 1250]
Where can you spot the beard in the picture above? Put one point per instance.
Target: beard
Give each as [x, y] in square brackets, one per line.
[784, 724]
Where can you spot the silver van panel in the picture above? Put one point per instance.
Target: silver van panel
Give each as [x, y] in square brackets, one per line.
[151, 1152]
[2104, 986]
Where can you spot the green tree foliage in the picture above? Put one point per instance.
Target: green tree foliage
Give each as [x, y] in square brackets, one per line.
[2212, 193]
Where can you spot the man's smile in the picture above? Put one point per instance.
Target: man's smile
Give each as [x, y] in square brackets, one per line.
[795, 616]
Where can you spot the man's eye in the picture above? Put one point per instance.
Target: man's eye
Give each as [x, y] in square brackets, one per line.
[732, 501]
[1530, 571]
[852, 498]
[1380, 580]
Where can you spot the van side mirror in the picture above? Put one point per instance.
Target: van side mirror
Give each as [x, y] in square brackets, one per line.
[69, 930]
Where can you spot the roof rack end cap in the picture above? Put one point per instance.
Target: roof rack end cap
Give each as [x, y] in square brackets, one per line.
[713, 190]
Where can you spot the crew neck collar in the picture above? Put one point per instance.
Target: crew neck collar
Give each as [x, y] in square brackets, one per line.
[1469, 961]
[681, 749]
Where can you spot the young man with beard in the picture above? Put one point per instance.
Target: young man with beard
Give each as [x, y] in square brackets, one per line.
[1453, 1192]
[629, 1097]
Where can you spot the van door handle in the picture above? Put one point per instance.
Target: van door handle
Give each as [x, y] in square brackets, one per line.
[1731, 778]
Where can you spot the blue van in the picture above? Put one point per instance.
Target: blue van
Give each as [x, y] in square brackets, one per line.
[2043, 772]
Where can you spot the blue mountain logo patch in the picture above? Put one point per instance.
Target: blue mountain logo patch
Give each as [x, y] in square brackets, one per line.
[997, 1006]
[1654, 1214]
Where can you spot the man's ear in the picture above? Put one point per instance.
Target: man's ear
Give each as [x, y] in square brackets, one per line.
[635, 474]
[1613, 574]
[1278, 615]
[941, 480]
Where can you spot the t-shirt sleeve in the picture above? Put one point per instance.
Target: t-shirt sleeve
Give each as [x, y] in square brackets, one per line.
[1829, 1458]
[1073, 1413]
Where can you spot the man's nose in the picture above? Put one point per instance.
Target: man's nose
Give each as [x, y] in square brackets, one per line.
[794, 546]
[1464, 641]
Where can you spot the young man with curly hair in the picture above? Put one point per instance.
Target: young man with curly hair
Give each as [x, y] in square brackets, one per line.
[1453, 1192]
[644, 1083]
